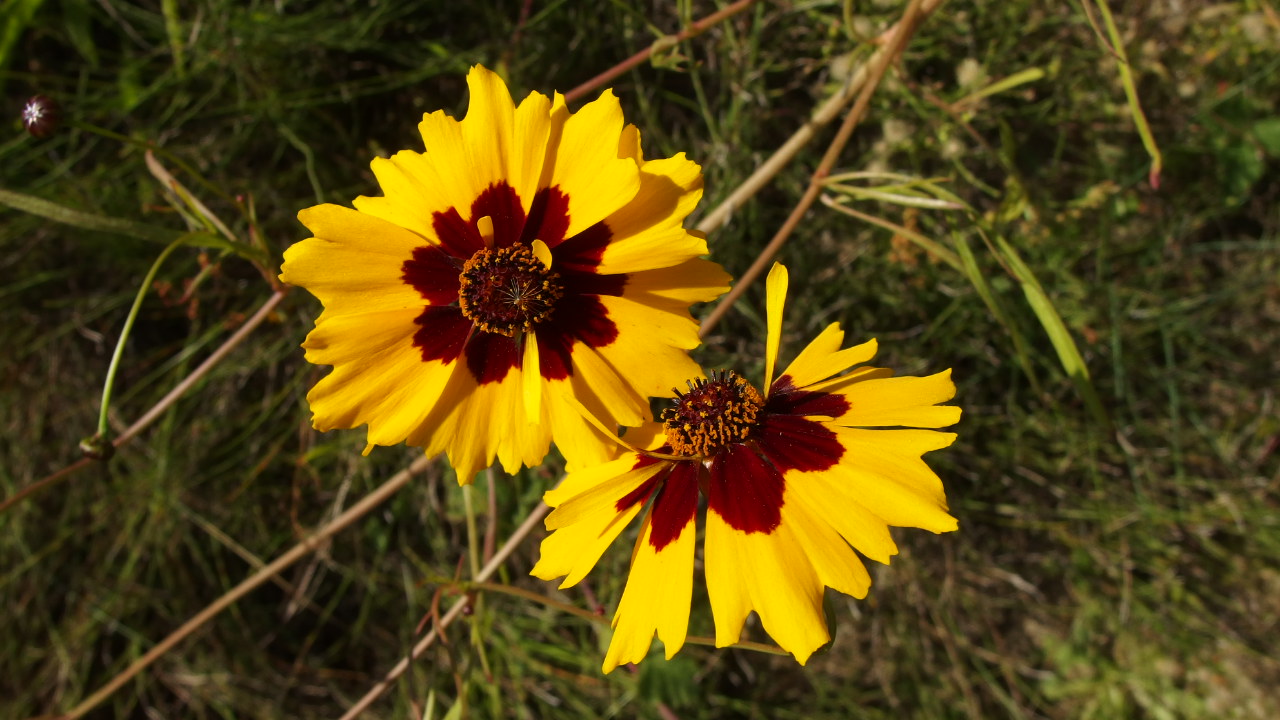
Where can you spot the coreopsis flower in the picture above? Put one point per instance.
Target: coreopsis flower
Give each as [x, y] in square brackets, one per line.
[792, 477]
[529, 265]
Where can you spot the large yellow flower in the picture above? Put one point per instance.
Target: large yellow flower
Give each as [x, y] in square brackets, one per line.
[531, 263]
[792, 478]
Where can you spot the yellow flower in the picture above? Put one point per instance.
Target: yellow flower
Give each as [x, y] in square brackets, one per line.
[792, 478]
[529, 264]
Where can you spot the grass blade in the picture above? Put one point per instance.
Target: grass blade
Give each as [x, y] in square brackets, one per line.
[81, 219]
[1063, 343]
[971, 270]
[1131, 94]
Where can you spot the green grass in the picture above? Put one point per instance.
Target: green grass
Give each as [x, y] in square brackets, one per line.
[1126, 568]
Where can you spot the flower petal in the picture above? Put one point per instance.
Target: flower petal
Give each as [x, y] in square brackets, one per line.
[776, 297]
[890, 479]
[827, 497]
[353, 264]
[673, 289]
[487, 129]
[578, 440]
[769, 574]
[823, 357]
[379, 377]
[651, 349]
[648, 231]
[602, 498]
[595, 378]
[532, 131]
[587, 167]
[831, 557]
[588, 518]
[411, 193]
[902, 401]
[474, 422]
[658, 595]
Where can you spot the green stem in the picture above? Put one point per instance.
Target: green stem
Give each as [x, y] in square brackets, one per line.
[124, 333]
[473, 544]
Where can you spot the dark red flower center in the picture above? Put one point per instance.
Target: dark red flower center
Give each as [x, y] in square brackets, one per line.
[740, 449]
[488, 292]
[507, 290]
[712, 414]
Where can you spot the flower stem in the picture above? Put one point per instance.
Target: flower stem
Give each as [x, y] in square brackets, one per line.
[473, 543]
[103, 430]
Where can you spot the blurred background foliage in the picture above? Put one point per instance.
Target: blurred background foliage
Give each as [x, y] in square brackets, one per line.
[1122, 561]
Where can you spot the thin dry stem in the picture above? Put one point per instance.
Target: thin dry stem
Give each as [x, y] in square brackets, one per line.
[530, 522]
[880, 62]
[297, 552]
[692, 31]
[159, 408]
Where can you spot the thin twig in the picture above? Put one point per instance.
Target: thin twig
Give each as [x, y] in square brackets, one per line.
[825, 113]
[297, 552]
[881, 61]
[159, 408]
[692, 31]
[530, 522]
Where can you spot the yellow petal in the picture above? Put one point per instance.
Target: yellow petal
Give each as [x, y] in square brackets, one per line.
[582, 445]
[674, 289]
[542, 252]
[532, 131]
[902, 401]
[475, 423]
[448, 164]
[349, 280]
[823, 357]
[484, 226]
[648, 232]
[571, 552]
[657, 598]
[587, 167]
[776, 297]
[844, 382]
[586, 519]
[595, 379]
[580, 481]
[487, 129]
[775, 578]
[410, 191]
[833, 560]
[379, 377]
[829, 498]
[888, 477]
[531, 384]
[629, 144]
[602, 498]
[651, 349]
[359, 231]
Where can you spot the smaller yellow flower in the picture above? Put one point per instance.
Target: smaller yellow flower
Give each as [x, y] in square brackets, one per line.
[529, 264]
[792, 477]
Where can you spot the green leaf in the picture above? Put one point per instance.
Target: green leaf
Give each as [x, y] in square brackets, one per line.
[17, 15]
[89, 221]
[1063, 343]
[78, 22]
[1268, 134]
[979, 281]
